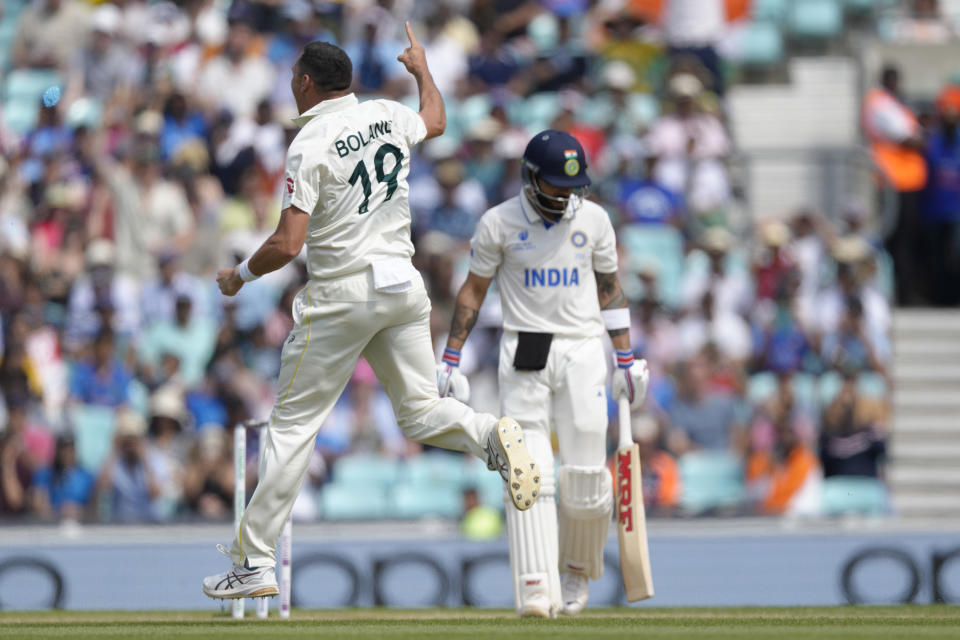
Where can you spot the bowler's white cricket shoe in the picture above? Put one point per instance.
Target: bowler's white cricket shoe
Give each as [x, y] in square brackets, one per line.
[241, 582]
[507, 454]
[575, 589]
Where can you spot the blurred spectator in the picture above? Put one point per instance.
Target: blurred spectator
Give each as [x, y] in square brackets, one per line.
[181, 124]
[492, 65]
[854, 346]
[941, 209]
[167, 449]
[782, 342]
[783, 411]
[102, 292]
[190, 337]
[787, 479]
[63, 490]
[704, 324]
[159, 297]
[701, 418]
[853, 434]
[644, 200]
[692, 29]
[691, 146]
[771, 261]
[208, 479]
[730, 286]
[48, 33]
[854, 262]
[126, 487]
[654, 336]
[105, 61]
[624, 39]
[101, 378]
[896, 145]
[22, 447]
[920, 21]
[449, 216]
[661, 475]
[374, 54]
[479, 521]
[241, 68]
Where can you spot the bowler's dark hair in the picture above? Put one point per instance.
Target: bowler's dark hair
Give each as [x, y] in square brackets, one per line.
[327, 65]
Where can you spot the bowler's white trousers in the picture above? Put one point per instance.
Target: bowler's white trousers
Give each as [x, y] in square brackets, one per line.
[336, 321]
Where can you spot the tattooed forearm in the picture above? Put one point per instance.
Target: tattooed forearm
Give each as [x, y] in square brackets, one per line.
[463, 320]
[613, 333]
[609, 292]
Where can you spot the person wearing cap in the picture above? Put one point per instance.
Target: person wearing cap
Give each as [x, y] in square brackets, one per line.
[554, 255]
[691, 146]
[105, 62]
[346, 198]
[102, 285]
[126, 484]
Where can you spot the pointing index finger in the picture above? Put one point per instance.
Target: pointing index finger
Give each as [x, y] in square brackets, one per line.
[410, 36]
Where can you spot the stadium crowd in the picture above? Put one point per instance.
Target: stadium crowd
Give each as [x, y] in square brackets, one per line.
[143, 148]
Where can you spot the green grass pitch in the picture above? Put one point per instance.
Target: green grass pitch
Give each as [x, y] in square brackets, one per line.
[916, 622]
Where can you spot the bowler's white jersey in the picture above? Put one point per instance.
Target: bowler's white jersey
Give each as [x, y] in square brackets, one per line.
[546, 274]
[348, 169]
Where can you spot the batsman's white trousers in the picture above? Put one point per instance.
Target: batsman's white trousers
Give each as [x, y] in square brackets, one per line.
[335, 322]
[568, 395]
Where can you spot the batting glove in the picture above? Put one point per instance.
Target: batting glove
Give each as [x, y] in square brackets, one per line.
[630, 379]
[450, 382]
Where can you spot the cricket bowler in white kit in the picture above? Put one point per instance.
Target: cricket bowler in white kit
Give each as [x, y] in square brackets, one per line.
[346, 197]
[555, 259]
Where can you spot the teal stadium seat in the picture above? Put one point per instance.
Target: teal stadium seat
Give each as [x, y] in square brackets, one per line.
[711, 480]
[844, 495]
[444, 469]
[364, 468]
[536, 112]
[772, 10]
[761, 387]
[815, 19]
[761, 44]
[664, 246]
[869, 384]
[93, 430]
[416, 500]
[21, 96]
[873, 385]
[353, 502]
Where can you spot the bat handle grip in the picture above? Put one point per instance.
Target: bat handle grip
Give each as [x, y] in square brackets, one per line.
[625, 435]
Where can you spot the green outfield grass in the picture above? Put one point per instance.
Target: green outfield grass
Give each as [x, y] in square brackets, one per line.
[909, 621]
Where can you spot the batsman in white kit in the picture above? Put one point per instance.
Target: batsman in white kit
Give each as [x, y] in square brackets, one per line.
[555, 259]
[346, 197]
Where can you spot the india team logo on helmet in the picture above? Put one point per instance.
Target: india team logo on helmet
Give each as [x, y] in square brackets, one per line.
[572, 165]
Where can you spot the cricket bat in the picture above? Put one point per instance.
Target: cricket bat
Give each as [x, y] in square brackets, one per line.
[631, 519]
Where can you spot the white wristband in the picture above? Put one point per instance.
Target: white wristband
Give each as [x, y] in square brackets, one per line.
[243, 270]
[616, 318]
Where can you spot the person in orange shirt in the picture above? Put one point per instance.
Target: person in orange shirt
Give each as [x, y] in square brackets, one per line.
[786, 480]
[896, 147]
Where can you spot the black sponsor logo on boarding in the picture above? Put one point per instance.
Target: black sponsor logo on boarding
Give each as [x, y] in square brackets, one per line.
[357, 141]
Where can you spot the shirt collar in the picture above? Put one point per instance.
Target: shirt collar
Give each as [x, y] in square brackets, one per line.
[532, 217]
[325, 106]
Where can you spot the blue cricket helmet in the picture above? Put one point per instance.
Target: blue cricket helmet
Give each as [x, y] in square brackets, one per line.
[557, 158]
